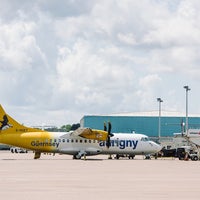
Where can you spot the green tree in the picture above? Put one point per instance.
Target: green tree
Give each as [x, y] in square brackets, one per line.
[75, 126]
[66, 128]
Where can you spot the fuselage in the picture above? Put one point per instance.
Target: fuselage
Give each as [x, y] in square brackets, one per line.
[67, 143]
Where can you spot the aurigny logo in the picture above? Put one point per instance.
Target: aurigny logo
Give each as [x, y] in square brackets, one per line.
[4, 123]
[122, 144]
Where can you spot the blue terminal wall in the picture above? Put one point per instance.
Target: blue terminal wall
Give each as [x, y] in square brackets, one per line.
[140, 124]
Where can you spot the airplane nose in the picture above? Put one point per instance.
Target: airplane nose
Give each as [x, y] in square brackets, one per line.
[158, 147]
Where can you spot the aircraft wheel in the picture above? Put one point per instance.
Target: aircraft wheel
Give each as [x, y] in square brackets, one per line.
[76, 157]
[131, 157]
[148, 157]
[195, 158]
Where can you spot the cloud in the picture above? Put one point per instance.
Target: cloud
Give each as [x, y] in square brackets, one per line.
[127, 38]
[89, 57]
[16, 43]
[88, 75]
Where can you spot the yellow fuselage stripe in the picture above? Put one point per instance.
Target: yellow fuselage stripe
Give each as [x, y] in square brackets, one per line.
[38, 141]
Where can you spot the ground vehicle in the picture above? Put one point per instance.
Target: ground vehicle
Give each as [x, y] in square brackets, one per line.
[18, 150]
[168, 152]
[186, 152]
[182, 153]
[194, 157]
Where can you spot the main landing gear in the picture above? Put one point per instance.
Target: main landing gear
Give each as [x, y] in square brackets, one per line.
[124, 156]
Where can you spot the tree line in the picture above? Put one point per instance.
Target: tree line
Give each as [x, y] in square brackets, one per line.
[64, 128]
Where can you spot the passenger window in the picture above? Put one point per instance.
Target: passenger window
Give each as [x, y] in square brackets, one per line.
[81, 141]
[76, 141]
[89, 141]
[63, 140]
[68, 140]
[72, 140]
[85, 141]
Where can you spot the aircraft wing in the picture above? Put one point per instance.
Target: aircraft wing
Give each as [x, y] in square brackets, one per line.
[89, 133]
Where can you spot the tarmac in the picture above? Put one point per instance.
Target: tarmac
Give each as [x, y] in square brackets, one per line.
[60, 177]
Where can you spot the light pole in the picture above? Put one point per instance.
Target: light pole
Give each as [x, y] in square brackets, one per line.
[159, 119]
[186, 118]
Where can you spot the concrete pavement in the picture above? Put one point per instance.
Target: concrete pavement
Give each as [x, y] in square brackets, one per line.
[59, 177]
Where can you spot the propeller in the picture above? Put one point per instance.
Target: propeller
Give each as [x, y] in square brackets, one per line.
[104, 127]
[109, 133]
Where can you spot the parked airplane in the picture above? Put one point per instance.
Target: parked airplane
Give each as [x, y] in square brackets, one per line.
[81, 142]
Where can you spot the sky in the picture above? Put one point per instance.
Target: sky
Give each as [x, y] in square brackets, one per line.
[61, 60]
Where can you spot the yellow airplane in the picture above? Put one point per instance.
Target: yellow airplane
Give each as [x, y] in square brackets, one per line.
[15, 134]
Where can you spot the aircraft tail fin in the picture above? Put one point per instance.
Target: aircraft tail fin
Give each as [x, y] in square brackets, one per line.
[9, 125]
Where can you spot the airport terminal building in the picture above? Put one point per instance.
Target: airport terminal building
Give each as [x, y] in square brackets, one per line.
[143, 122]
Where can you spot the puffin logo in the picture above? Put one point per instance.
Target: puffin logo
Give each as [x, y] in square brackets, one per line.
[4, 124]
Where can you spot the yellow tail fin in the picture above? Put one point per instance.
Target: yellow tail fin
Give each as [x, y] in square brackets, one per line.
[9, 125]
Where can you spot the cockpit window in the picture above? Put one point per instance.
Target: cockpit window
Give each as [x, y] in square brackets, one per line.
[145, 139]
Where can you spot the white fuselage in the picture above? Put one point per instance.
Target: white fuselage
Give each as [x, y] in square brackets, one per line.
[120, 143]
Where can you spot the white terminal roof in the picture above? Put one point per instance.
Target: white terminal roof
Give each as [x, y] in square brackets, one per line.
[154, 114]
